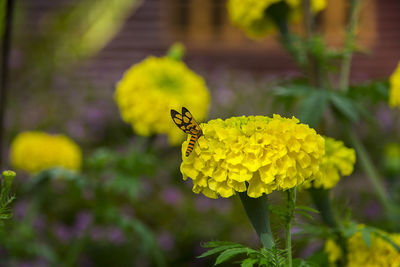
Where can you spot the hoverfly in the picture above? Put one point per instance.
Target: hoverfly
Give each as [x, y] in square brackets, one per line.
[188, 124]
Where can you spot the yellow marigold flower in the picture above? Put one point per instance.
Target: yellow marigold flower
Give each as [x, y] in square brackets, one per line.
[256, 154]
[338, 161]
[149, 90]
[36, 151]
[394, 91]
[380, 254]
[251, 17]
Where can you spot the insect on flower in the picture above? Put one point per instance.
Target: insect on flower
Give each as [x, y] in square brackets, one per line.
[188, 124]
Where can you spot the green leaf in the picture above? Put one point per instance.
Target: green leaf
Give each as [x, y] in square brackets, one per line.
[366, 235]
[351, 230]
[249, 262]
[230, 253]
[305, 214]
[313, 107]
[384, 236]
[213, 244]
[293, 91]
[345, 106]
[219, 249]
[306, 208]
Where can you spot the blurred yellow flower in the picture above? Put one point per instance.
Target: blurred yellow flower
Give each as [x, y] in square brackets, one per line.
[338, 161]
[36, 151]
[149, 90]
[333, 250]
[251, 16]
[256, 154]
[380, 254]
[394, 91]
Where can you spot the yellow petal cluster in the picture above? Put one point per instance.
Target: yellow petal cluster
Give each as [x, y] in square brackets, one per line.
[394, 91]
[36, 151]
[338, 161]
[150, 89]
[333, 250]
[256, 154]
[250, 15]
[380, 254]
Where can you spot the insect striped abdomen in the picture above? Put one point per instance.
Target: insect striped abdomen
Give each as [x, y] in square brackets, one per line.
[191, 144]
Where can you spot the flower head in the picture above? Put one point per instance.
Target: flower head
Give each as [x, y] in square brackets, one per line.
[380, 254]
[149, 90]
[338, 161]
[256, 154]
[394, 91]
[36, 151]
[252, 16]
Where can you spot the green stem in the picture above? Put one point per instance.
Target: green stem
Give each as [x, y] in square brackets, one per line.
[391, 211]
[349, 45]
[370, 170]
[291, 206]
[5, 54]
[258, 213]
[323, 203]
[313, 69]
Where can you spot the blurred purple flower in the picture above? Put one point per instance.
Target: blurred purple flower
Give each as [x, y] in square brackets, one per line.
[116, 236]
[202, 203]
[171, 196]
[64, 233]
[166, 241]
[373, 210]
[20, 210]
[385, 118]
[82, 222]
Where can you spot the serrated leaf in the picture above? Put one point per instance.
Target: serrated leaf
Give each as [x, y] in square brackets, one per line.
[249, 262]
[384, 236]
[313, 107]
[230, 253]
[306, 208]
[345, 106]
[366, 235]
[218, 249]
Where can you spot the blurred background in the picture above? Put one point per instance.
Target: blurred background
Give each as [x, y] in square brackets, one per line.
[65, 59]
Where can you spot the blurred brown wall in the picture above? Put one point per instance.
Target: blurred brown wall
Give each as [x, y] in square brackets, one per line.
[212, 43]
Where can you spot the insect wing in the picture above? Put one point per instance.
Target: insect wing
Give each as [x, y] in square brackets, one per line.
[178, 120]
[192, 126]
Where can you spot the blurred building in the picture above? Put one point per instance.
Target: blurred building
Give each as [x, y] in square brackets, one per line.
[213, 43]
